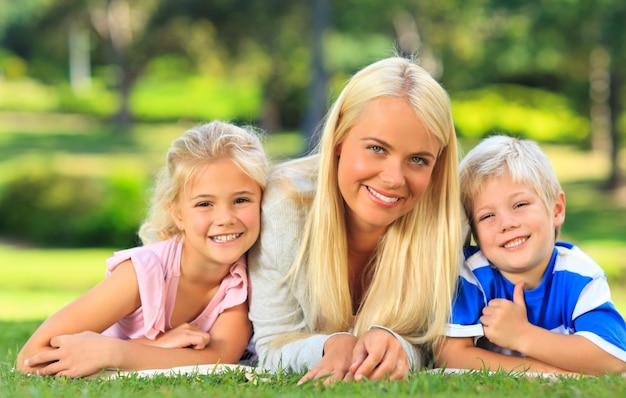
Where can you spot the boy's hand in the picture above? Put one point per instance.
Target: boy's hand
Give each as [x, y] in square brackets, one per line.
[504, 321]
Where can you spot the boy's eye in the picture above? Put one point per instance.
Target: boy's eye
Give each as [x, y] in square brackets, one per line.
[518, 205]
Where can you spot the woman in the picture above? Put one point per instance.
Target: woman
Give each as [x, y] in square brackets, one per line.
[355, 269]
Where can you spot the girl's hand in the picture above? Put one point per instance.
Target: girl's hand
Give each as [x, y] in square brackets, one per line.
[182, 336]
[379, 355]
[75, 355]
[335, 361]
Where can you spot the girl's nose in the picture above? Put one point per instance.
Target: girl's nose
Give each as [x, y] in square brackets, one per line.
[225, 217]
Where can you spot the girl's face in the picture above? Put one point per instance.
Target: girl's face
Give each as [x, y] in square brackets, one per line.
[514, 229]
[219, 213]
[385, 164]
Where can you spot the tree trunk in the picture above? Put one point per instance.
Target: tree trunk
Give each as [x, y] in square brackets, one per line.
[615, 104]
[317, 101]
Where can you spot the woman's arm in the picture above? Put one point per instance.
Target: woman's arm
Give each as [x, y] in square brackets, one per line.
[281, 330]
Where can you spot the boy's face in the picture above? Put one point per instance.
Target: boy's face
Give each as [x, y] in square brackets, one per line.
[514, 229]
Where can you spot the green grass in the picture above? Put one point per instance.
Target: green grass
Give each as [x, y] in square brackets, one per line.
[36, 282]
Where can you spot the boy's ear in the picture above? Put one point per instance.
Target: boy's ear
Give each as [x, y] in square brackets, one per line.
[559, 210]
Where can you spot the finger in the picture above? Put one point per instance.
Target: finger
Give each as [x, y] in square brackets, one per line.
[310, 375]
[41, 359]
[50, 370]
[358, 356]
[56, 341]
[365, 369]
[199, 342]
[518, 294]
[390, 369]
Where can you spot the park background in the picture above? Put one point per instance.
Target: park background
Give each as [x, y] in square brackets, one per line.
[93, 92]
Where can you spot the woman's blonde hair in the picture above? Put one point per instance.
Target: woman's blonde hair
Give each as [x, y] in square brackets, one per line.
[413, 273]
[196, 147]
[522, 159]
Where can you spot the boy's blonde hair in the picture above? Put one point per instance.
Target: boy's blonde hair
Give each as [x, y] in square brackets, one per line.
[522, 159]
[196, 147]
[414, 270]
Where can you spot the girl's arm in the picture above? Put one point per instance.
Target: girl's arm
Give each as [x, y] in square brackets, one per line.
[460, 353]
[87, 353]
[96, 310]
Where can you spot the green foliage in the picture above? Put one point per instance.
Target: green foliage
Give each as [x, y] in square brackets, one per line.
[60, 210]
[526, 112]
[195, 97]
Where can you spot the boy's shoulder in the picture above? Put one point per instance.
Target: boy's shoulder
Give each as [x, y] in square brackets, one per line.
[571, 258]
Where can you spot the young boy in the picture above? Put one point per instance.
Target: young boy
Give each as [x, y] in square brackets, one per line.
[526, 301]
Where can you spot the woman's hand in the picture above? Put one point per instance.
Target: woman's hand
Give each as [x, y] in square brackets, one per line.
[336, 360]
[76, 355]
[378, 354]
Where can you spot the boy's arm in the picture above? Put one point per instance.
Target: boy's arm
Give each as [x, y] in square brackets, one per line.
[460, 353]
[505, 324]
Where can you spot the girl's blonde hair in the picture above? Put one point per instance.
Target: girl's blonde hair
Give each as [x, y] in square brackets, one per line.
[522, 159]
[200, 145]
[413, 273]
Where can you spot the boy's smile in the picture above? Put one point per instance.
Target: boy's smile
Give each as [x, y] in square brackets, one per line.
[514, 229]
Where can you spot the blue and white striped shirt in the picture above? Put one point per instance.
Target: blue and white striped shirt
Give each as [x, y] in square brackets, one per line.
[573, 298]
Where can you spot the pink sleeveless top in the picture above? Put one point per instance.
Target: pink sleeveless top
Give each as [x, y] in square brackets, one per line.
[158, 269]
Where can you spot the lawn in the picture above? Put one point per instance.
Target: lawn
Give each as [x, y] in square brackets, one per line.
[35, 282]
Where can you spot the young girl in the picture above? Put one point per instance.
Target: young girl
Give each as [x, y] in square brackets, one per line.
[181, 299]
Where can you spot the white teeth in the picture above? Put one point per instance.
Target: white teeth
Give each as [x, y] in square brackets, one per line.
[382, 197]
[225, 238]
[514, 243]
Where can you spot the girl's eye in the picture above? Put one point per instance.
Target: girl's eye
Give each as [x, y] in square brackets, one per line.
[484, 217]
[241, 200]
[204, 204]
[376, 148]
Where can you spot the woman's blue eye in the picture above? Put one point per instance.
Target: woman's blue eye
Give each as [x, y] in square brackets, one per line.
[376, 148]
[419, 160]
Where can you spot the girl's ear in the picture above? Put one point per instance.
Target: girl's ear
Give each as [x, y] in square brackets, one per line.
[559, 210]
[175, 214]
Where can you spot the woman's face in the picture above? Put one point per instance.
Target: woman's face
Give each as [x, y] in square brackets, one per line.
[385, 164]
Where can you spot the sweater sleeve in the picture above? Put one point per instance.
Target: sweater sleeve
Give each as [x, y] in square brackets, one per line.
[276, 309]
